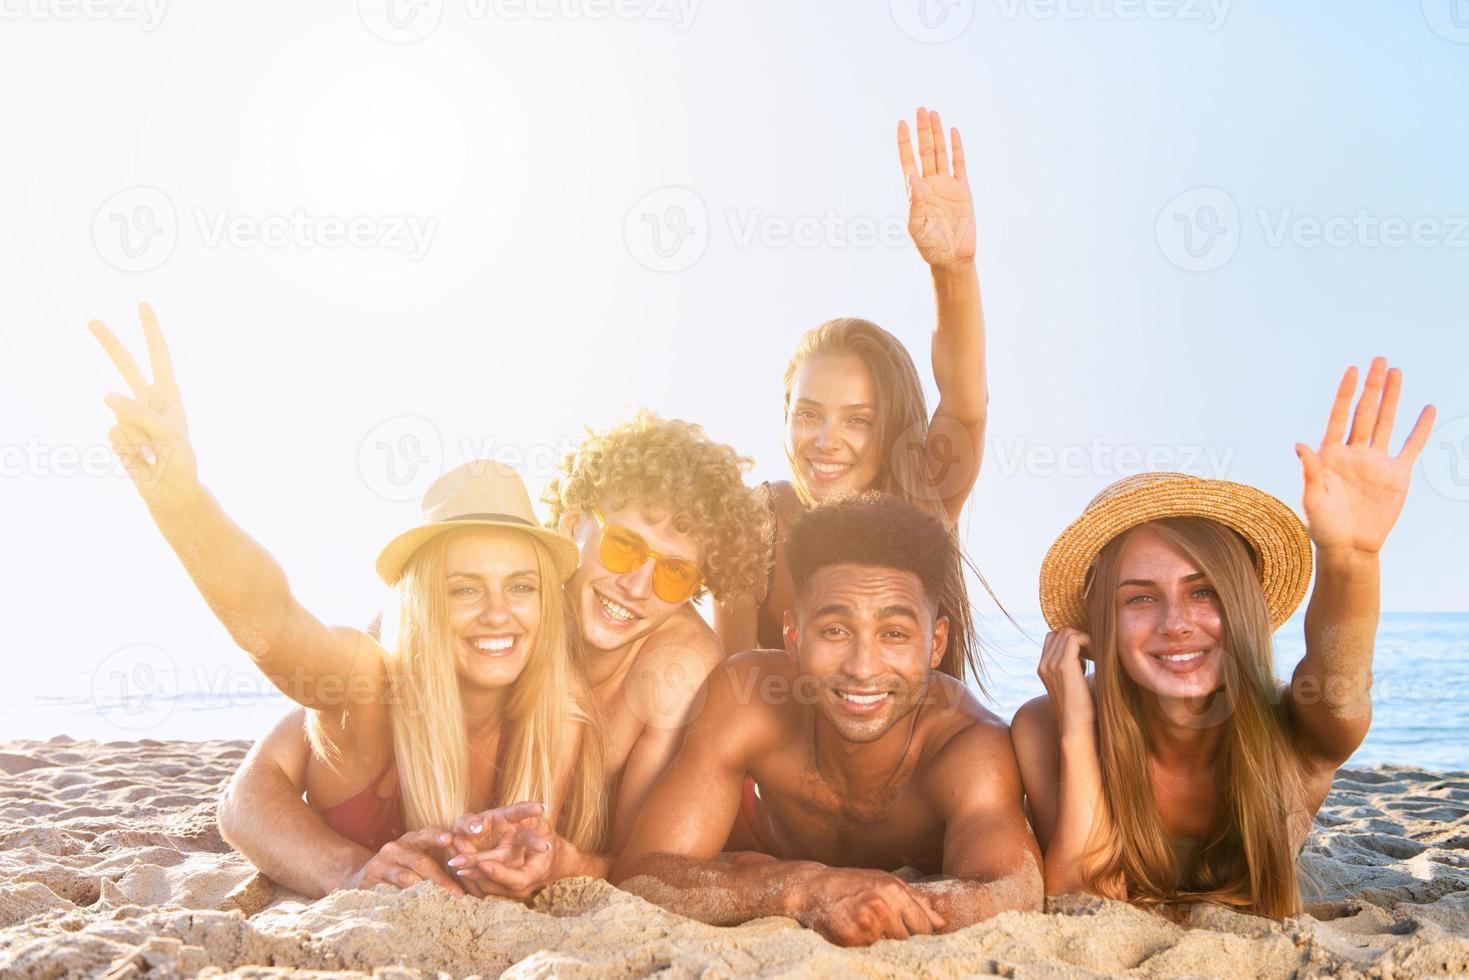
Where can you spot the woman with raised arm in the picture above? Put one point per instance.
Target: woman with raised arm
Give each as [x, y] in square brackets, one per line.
[1182, 771]
[855, 414]
[469, 703]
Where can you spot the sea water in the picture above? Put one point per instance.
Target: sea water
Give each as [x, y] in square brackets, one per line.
[1420, 694]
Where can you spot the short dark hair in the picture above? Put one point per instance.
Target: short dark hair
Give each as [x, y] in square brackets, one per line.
[874, 529]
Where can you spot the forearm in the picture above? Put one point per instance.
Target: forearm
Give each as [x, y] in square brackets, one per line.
[241, 582]
[958, 340]
[573, 862]
[714, 892]
[262, 816]
[1341, 630]
[1079, 795]
[964, 901]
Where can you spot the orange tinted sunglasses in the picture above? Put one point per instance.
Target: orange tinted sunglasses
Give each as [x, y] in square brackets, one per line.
[623, 550]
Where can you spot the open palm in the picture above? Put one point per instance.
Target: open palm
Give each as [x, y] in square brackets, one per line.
[151, 435]
[940, 208]
[1354, 490]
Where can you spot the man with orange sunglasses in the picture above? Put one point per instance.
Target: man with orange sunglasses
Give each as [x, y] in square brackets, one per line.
[661, 514]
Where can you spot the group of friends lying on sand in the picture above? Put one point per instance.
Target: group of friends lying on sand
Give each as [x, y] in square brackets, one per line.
[544, 700]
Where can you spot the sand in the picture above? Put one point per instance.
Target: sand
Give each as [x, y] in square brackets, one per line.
[110, 864]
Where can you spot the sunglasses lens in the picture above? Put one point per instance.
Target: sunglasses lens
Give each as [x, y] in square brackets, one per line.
[675, 581]
[622, 551]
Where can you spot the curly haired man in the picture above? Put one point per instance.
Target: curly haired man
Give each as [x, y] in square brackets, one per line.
[661, 514]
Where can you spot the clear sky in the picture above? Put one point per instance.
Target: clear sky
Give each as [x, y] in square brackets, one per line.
[384, 239]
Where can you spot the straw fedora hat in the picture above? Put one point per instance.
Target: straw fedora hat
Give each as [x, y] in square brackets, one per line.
[1282, 549]
[481, 493]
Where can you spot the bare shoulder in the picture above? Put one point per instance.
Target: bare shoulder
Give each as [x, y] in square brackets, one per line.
[785, 500]
[961, 730]
[685, 639]
[755, 693]
[1036, 719]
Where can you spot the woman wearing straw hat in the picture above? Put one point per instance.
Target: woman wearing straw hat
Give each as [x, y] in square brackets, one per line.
[1182, 771]
[470, 702]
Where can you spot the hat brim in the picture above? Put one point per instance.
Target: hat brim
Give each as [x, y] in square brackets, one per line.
[393, 558]
[1279, 539]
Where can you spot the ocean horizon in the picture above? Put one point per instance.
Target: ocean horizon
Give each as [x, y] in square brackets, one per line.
[1420, 690]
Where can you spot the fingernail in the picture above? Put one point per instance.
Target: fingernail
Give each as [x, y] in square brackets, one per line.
[462, 871]
[475, 828]
[456, 862]
[443, 838]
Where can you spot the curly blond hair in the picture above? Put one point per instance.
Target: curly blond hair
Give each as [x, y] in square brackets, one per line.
[671, 464]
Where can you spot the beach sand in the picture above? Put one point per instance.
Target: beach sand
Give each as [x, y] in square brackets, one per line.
[110, 864]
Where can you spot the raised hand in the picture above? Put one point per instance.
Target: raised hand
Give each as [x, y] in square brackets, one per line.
[940, 209]
[1354, 490]
[151, 435]
[509, 851]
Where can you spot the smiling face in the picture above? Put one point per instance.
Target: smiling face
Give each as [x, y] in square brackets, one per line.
[869, 638]
[619, 608]
[492, 589]
[1169, 619]
[831, 435]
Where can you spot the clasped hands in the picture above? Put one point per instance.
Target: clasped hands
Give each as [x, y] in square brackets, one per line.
[509, 852]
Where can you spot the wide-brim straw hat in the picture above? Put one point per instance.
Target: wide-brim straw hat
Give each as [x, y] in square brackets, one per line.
[1282, 549]
[481, 493]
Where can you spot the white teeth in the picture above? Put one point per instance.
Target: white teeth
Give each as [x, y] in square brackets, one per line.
[616, 611]
[1178, 658]
[863, 698]
[494, 644]
[829, 468]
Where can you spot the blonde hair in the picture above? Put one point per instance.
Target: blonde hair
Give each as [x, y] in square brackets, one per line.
[430, 734]
[902, 413]
[1245, 861]
[674, 464]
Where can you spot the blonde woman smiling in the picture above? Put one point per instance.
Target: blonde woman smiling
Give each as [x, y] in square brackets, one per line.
[470, 702]
[1182, 771]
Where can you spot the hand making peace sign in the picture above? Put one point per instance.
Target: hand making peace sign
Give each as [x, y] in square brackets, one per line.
[151, 435]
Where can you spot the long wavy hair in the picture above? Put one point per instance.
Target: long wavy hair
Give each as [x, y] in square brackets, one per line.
[547, 700]
[1245, 861]
[907, 471]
